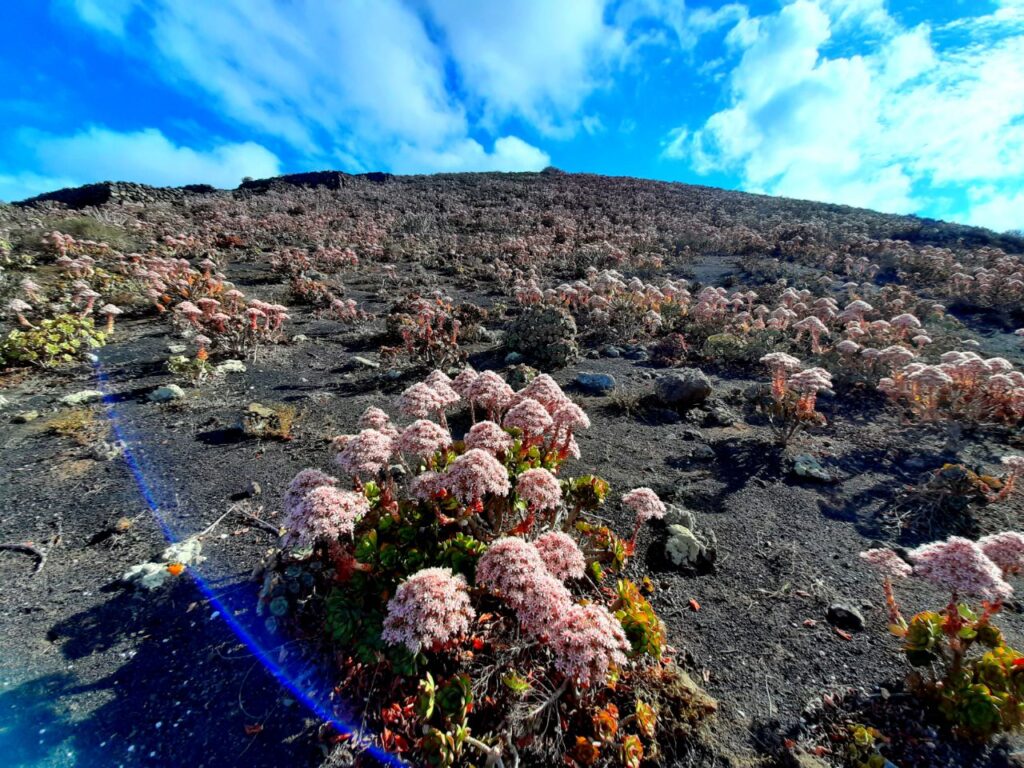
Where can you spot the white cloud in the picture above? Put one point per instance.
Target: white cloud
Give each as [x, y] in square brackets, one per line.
[533, 59]
[108, 15]
[674, 145]
[20, 186]
[510, 154]
[996, 209]
[686, 25]
[360, 82]
[883, 129]
[869, 15]
[147, 156]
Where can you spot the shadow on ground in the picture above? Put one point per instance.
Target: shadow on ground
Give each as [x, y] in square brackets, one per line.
[185, 692]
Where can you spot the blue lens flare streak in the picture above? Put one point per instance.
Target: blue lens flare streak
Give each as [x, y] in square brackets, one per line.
[280, 673]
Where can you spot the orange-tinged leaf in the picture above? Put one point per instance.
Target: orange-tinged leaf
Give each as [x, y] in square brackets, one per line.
[694, 605]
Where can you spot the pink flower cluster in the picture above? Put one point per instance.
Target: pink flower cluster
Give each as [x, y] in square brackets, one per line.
[529, 417]
[423, 438]
[586, 640]
[375, 418]
[304, 482]
[429, 610]
[366, 453]
[488, 436]
[513, 568]
[887, 562]
[961, 566]
[490, 392]
[539, 489]
[324, 513]
[235, 325]
[1005, 549]
[962, 386]
[561, 555]
[541, 412]
[475, 474]
[645, 504]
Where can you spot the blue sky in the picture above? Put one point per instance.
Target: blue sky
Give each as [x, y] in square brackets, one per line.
[909, 106]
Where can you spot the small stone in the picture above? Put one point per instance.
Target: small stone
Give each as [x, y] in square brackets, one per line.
[916, 464]
[756, 392]
[177, 349]
[720, 416]
[4, 402]
[596, 383]
[187, 552]
[108, 451]
[683, 388]
[166, 394]
[253, 489]
[25, 417]
[845, 616]
[611, 351]
[300, 338]
[82, 398]
[805, 760]
[365, 362]
[703, 452]
[147, 575]
[231, 366]
[807, 466]
[393, 374]
[513, 358]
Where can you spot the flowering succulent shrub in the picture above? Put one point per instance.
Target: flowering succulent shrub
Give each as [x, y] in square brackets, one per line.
[963, 387]
[980, 694]
[794, 392]
[236, 326]
[430, 329]
[430, 609]
[473, 573]
[53, 342]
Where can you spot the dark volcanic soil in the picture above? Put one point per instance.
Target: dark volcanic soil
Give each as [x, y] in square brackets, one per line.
[92, 674]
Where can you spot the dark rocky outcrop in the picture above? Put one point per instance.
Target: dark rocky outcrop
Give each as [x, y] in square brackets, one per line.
[112, 192]
[326, 179]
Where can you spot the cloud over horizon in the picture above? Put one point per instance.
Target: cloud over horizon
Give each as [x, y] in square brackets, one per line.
[875, 103]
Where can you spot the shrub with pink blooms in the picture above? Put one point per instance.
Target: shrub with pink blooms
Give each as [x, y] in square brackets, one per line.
[962, 664]
[430, 609]
[429, 330]
[963, 387]
[794, 393]
[476, 568]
